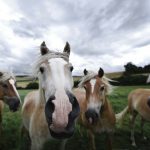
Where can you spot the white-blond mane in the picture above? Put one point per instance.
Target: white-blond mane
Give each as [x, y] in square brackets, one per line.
[46, 57]
[91, 75]
[6, 75]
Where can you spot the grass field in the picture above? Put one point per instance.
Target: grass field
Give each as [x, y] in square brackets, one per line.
[10, 138]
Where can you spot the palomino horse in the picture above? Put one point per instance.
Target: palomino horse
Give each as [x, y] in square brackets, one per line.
[51, 111]
[138, 103]
[96, 113]
[8, 93]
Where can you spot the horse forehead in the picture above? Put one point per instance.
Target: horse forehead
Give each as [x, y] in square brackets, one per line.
[95, 81]
[57, 67]
[92, 82]
[57, 62]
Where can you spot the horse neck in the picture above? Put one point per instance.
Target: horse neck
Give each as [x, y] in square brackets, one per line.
[106, 105]
[41, 98]
[108, 111]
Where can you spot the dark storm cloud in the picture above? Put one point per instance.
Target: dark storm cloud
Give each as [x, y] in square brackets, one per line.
[95, 29]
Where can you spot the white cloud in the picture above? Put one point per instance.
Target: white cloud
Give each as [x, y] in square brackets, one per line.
[101, 33]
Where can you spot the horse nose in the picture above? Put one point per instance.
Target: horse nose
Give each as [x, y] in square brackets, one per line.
[14, 104]
[75, 105]
[91, 116]
[49, 109]
[17, 103]
[62, 135]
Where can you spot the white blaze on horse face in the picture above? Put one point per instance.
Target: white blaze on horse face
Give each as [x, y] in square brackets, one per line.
[92, 81]
[62, 109]
[12, 82]
[94, 105]
[61, 80]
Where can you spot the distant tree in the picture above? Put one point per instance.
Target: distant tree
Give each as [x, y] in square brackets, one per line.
[140, 70]
[32, 85]
[147, 68]
[130, 68]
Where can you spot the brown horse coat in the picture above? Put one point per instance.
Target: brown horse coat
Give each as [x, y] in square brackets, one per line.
[107, 120]
[96, 113]
[138, 103]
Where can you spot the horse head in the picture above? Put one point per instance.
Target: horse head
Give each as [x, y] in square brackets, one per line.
[56, 82]
[96, 89]
[8, 91]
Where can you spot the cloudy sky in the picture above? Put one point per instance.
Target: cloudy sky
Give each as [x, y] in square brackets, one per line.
[106, 33]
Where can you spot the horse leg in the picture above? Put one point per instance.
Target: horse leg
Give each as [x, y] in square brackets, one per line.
[109, 141]
[0, 123]
[132, 125]
[1, 109]
[63, 144]
[25, 134]
[142, 125]
[37, 143]
[92, 140]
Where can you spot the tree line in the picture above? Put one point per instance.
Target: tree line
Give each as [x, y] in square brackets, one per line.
[131, 68]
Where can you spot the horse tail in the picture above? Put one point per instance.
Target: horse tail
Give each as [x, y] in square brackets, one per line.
[120, 116]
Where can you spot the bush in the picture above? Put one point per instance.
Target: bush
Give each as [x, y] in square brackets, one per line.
[76, 83]
[130, 80]
[19, 88]
[32, 85]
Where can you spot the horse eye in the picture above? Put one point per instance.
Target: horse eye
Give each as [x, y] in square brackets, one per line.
[41, 69]
[84, 87]
[5, 85]
[71, 68]
[102, 88]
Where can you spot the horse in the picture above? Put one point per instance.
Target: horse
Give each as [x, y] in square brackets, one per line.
[51, 111]
[8, 93]
[138, 103]
[96, 113]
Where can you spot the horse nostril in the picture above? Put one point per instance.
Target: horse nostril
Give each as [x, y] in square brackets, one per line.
[49, 109]
[96, 115]
[92, 116]
[17, 103]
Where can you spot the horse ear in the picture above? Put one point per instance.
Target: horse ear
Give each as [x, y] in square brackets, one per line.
[44, 50]
[67, 48]
[1, 74]
[85, 72]
[100, 72]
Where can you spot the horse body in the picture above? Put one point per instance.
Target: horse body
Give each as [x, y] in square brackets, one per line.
[34, 120]
[96, 113]
[138, 103]
[51, 111]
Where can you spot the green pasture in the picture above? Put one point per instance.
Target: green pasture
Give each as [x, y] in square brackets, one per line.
[11, 139]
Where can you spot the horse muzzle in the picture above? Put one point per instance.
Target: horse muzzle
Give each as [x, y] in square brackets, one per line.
[62, 135]
[12, 102]
[91, 116]
[68, 130]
